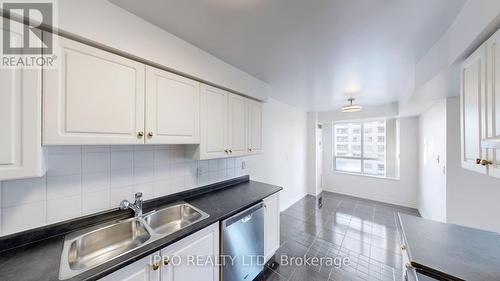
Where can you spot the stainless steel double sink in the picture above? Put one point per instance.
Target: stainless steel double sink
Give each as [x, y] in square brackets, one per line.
[86, 249]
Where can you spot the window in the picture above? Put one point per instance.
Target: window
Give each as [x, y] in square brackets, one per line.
[342, 139]
[367, 147]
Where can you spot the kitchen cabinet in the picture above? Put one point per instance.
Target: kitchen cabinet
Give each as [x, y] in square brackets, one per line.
[192, 258]
[230, 125]
[21, 153]
[203, 247]
[97, 97]
[479, 103]
[271, 225]
[493, 101]
[213, 122]
[93, 97]
[237, 125]
[472, 110]
[254, 127]
[145, 269]
[172, 108]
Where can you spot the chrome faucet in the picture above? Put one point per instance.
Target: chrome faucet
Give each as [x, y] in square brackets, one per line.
[136, 206]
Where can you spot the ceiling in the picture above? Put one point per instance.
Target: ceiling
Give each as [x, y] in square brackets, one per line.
[312, 53]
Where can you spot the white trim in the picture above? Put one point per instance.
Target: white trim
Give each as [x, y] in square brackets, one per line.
[365, 175]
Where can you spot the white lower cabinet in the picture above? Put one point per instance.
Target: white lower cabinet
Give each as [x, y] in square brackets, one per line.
[271, 225]
[197, 255]
[192, 258]
[142, 270]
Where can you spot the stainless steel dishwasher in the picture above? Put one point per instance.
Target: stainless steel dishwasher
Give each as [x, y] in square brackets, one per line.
[243, 245]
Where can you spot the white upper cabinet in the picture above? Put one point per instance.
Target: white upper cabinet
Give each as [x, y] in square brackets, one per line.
[213, 121]
[254, 127]
[472, 108]
[93, 97]
[172, 108]
[238, 124]
[96, 97]
[493, 101]
[479, 107]
[21, 154]
[230, 125]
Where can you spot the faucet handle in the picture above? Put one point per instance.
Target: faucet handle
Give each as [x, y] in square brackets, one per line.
[138, 195]
[125, 204]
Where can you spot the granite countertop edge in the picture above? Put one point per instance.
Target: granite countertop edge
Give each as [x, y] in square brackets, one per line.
[10, 266]
[442, 272]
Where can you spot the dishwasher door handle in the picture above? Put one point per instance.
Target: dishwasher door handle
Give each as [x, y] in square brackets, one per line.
[246, 219]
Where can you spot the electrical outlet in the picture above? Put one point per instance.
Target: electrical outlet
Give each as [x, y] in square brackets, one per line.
[243, 165]
[199, 171]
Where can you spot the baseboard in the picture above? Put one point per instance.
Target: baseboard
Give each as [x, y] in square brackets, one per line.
[377, 198]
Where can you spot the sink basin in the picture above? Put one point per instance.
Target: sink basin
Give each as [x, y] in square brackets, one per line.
[83, 251]
[173, 218]
[86, 249]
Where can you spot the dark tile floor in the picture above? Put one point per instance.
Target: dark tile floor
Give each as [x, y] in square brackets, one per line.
[366, 232]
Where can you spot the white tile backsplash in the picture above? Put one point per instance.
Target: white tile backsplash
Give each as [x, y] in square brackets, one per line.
[64, 208]
[23, 191]
[95, 201]
[21, 217]
[61, 164]
[83, 180]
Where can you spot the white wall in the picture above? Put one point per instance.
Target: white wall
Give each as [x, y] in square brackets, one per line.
[432, 142]
[401, 192]
[107, 24]
[284, 161]
[472, 198]
[83, 180]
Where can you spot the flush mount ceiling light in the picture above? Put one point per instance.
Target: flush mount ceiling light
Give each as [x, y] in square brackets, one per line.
[351, 107]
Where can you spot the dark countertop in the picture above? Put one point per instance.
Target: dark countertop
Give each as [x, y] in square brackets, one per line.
[40, 260]
[451, 251]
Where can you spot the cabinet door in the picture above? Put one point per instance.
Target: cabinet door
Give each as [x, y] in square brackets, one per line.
[93, 97]
[20, 119]
[146, 269]
[237, 125]
[271, 225]
[493, 101]
[254, 127]
[472, 110]
[202, 247]
[213, 123]
[172, 108]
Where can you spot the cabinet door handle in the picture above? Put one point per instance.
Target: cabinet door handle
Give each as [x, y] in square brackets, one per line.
[140, 134]
[166, 261]
[478, 161]
[250, 149]
[150, 134]
[226, 151]
[230, 151]
[486, 162]
[155, 266]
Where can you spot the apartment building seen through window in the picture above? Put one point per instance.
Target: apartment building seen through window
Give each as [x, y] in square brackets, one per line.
[367, 147]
